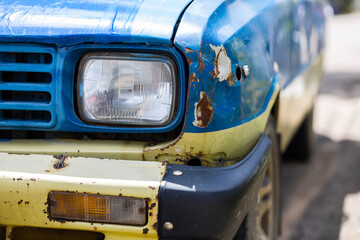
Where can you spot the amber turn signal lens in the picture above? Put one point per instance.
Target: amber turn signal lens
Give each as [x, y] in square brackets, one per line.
[97, 208]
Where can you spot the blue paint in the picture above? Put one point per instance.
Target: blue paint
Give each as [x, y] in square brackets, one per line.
[69, 23]
[63, 102]
[257, 33]
[262, 34]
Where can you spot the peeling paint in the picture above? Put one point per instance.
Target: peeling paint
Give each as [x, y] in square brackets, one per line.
[203, 111]
[201, 63]
[193, 78]
[222, 65]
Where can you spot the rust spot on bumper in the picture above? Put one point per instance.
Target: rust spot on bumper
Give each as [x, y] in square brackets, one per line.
[60, 161]
[203, 111]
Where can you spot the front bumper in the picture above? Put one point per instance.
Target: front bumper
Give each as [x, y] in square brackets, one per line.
[210, 203]
[26, 180]
[201, 203]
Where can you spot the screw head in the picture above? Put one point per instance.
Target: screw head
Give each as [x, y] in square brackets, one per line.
[177, 173]
[246, 71]
[168, 226]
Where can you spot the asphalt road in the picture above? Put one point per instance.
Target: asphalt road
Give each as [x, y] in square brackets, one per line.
[321, 197]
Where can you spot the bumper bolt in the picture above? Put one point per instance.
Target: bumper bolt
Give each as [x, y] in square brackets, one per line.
[246, 71]
[168, 226]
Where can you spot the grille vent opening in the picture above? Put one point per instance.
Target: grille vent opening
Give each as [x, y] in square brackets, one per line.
[16, 57]
[27, 86]
[25, 115]
[25, 77]
[24, 96]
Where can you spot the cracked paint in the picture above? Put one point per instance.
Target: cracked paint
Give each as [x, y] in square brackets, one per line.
[203, 111]
[222, 65]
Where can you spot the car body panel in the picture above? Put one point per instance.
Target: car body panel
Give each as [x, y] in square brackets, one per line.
[101, 21]
[223, 114]
[27, 180]
[220, 148]
[297, 101]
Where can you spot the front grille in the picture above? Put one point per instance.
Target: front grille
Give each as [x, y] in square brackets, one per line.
[27, 86]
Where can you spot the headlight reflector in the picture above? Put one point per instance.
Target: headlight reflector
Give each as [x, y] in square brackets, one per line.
[131, 89]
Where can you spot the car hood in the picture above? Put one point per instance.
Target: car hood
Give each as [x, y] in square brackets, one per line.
[77, 21]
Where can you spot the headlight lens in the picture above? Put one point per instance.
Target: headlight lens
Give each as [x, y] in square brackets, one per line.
[131, 89]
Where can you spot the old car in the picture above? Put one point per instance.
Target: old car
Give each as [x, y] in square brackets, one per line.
[146, 119]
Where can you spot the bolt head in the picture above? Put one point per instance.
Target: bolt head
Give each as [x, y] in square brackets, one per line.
[168, 226]
[246, 71]
[177, 173]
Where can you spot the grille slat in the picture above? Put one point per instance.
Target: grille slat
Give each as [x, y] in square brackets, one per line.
[23, 106]
[24, 87]
[27, 86]
[25, 67]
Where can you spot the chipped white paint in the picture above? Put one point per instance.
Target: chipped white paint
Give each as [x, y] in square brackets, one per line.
[222, 63]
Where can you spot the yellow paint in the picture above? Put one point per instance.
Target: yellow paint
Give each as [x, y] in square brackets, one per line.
[26, 181]
[230, 145]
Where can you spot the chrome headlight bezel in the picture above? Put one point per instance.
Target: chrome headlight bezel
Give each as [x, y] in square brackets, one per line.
[146, 57]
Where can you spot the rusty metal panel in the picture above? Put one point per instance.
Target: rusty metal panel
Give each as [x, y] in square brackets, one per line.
[26, 181]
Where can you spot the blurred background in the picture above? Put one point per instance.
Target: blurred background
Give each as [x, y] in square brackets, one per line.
[321, 196]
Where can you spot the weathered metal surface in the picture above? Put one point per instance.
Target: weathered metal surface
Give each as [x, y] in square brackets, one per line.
[218, 37]
[27, 180]
[225, 103]
[102, 21]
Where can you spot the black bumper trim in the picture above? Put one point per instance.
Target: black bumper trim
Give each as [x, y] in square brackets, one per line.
[211, 203]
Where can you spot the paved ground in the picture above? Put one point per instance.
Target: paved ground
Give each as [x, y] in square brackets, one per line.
[322, 197]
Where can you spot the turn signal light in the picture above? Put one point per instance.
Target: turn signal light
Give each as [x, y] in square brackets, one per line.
[97, 208]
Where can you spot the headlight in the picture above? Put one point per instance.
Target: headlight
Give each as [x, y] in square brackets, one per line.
[131, 89]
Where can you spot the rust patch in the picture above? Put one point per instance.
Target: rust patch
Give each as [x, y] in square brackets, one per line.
[201, 63]
[60, 161]
[152, 206]
[145, 231]
[95, 228]
[203, 111]
[155, 226]
[230, 79]
[19, 202]
[189, 61]
[27, 203]
[189, 50]
[47, 171]
[193, 77]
